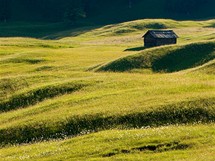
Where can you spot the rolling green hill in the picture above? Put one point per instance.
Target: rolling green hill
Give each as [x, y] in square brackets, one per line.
[166, 59]
[95, 93]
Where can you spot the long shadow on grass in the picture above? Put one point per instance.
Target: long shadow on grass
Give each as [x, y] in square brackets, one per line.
[38, 95]
[187, 57]
[167, 59]
[52, 31]
[185, 112]
[140, 48]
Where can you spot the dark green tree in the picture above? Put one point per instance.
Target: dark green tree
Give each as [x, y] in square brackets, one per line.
[75, 11]
[4, 10]
[185, 6]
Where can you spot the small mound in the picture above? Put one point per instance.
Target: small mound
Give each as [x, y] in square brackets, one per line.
[152, 25]
[27, 61]
[9, 86]
[123, 31]
[212, 25]
[165, 59]
[35, 96]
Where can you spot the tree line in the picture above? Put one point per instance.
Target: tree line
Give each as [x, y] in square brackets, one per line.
[186, 6]
[75, 10]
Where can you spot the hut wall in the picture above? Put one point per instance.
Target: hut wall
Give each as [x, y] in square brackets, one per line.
[150, 42]
[160, 42]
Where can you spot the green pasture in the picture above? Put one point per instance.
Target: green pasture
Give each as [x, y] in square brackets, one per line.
[95, 93]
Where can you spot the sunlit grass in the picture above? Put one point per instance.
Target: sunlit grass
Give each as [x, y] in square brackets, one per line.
[107, 100]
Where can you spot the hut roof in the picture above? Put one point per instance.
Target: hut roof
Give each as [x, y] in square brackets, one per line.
[161, 34]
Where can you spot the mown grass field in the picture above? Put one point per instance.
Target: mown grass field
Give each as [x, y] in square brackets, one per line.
[95, 93]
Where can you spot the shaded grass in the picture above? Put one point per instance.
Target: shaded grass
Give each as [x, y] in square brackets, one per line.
[187, 57]
[44, 31]
[165, 59]
[36, 30]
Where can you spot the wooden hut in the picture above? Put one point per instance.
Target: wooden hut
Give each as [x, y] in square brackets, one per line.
[159, 37]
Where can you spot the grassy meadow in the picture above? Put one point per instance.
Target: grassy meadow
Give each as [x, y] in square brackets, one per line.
[95, 93]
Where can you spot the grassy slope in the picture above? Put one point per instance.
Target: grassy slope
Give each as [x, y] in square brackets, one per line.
[105, 100]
